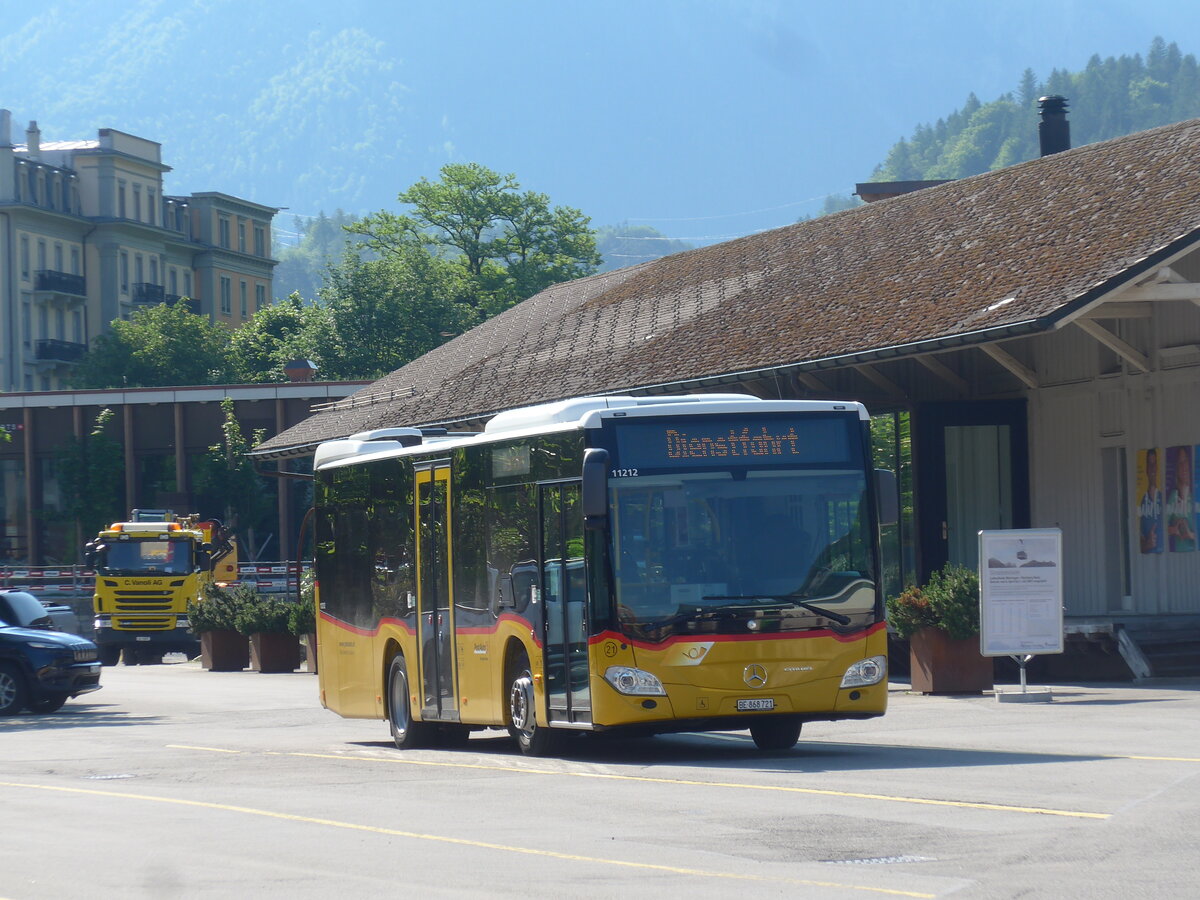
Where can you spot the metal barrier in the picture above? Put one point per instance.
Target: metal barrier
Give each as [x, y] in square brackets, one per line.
[72, 582]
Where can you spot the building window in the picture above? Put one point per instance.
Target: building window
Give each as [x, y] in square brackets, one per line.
[260, 297]
[58, 258]
[260, 241]
[41, 256]
[43, 323]
[32, 184]
[27, 321]
[245, 309]
[223, 232]
[121, 199]
[74, 260]
[226, 296]
[187, 283]
[151, 210]
[153, 270]
[77, 326]
[139, 270]
[60, 324]
[173, 280]
[241, 236]
[137, 203]
[24, 258]
[124, 271]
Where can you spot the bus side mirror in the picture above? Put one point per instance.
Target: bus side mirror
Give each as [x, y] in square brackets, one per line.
[595, 488]
[887, 496]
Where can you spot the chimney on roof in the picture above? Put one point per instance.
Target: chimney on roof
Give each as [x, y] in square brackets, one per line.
[5, 128]
[1054, 131]
[300, 370]
[33, 140]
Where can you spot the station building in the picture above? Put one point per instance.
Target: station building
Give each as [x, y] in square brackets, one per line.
[1032, 334]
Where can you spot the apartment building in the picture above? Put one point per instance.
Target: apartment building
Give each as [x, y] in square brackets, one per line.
[88, 235]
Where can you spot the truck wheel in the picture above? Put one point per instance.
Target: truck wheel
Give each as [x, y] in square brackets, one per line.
[110, 655]
[131, 656]
[13, 693]
[49, 704]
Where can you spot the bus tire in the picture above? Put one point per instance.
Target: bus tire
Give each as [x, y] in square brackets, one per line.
[776, 734]
[532, 738]
[406, 734]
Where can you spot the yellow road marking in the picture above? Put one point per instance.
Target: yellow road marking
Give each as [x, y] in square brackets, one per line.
[464, 842]
[962, 804]
[206, 749]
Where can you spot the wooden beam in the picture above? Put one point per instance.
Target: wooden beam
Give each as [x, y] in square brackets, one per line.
[1126, 351]
[1167, 274]
[1025, 374]
[1120, 311]
[944, 372]
[813, 383]
[1189, 291]
[881, 381]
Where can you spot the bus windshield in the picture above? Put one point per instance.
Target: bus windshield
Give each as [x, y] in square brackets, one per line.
[698, 543]
[146, 556]
[724, 518]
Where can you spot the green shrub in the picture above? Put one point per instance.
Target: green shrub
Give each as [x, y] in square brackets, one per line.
[303, 618]
[950, 601]
[217, 608]
[265, 615]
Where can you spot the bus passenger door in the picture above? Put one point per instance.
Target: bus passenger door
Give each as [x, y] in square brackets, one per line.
[435, 625]
[564, 589]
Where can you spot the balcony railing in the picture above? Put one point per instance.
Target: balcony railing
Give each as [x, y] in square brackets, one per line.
[59, 282]
[59, 351]
[144, 292]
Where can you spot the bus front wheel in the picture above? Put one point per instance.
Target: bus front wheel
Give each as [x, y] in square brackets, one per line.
[532, 738]
[775, 734]
[406, 733]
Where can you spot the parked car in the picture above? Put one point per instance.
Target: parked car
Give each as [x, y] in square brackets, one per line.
[40, 667]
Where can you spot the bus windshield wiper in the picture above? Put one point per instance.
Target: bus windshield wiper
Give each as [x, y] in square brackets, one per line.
[784, 602]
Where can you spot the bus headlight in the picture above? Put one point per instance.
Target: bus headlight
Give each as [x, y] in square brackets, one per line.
[182, 622]
[102, 622]
[636, 682]
[865, 672]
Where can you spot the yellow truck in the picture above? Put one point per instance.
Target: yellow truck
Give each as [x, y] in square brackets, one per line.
[147, 569]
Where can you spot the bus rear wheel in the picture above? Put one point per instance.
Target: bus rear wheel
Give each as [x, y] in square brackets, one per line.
[406, 733]
[775, 734]
[532, 738]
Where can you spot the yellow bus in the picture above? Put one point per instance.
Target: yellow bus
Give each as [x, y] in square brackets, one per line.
[605, 564]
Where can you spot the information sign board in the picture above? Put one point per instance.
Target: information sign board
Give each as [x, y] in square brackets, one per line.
[1020, 592]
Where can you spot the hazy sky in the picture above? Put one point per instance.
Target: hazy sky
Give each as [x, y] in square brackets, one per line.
[703, 118]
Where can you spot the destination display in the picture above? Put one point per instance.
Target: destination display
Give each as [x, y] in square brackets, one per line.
[736, 441]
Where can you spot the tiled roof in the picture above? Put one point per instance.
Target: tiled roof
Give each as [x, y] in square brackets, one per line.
[1019, 247]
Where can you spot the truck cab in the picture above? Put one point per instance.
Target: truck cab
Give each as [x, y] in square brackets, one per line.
[147, 571]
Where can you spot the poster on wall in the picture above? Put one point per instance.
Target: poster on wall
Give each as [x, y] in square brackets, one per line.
[1180, 499]
[1149, 502]
[1020, 592]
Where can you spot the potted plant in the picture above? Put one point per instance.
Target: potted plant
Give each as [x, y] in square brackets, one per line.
[304, 621]
[941, 623]
[213, 616]
[267, 622]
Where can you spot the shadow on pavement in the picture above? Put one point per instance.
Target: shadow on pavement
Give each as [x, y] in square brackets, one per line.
[736, 752]
[92, 715]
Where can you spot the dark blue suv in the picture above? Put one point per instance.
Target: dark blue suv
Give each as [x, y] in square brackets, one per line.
[40, 668]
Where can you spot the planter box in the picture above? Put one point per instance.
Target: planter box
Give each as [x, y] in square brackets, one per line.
[271, 653]
[310, 651]
[943, 665]
[224, 651]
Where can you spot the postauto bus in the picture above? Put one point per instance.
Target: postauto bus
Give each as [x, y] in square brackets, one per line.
[605, 564]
